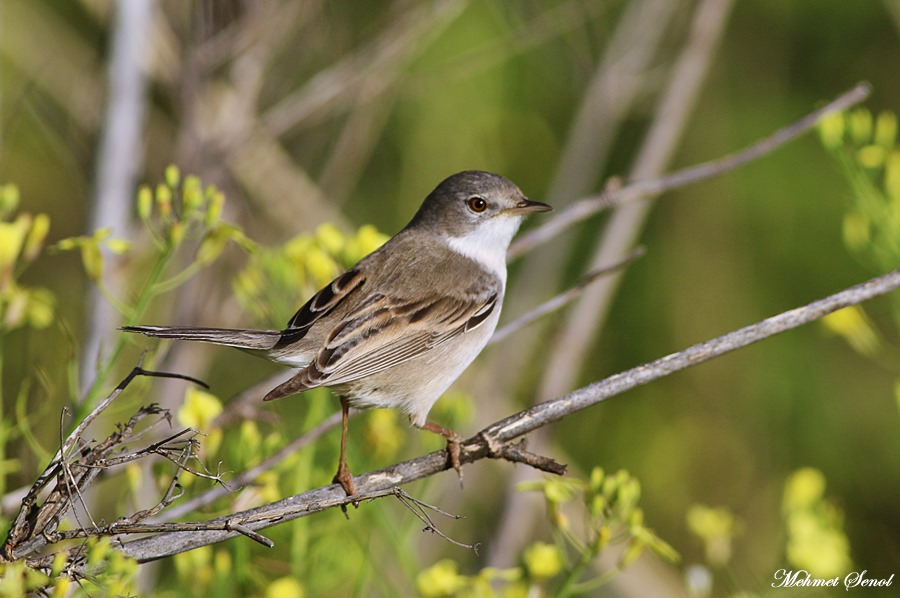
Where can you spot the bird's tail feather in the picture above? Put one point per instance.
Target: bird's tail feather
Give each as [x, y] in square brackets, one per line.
[253, 340]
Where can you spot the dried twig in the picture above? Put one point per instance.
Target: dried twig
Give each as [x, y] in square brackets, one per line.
[248, 475]
[420, 510]
[74, 468]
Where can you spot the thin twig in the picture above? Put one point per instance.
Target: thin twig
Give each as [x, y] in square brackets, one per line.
[420, 510]
[564, 298]
[72, 486]
[587, 207]
[79, 430]
[248, 475]
[246, 531]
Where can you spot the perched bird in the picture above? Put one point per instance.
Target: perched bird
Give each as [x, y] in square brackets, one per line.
[402, 324]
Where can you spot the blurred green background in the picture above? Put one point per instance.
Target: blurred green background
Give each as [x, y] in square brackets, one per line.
[350, 112]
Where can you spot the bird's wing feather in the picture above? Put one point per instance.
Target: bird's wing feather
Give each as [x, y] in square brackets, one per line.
[322, 303]
[384, 332]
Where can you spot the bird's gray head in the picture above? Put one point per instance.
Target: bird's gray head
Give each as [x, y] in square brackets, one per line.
[472, 201]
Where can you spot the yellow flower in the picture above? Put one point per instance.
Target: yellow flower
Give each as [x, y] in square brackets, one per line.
[172, 175]
[856, 231]
[199, 409]
[144, 202]
[331, 238]
[861, 125]
[440, 580]
[854, 326]
[9, 198]
[831, 130]
[192, 194]
[285, 587]
[543, 561]
[366, 240]
[36, 236]
[164, 200]
[716, 527]
[816, 541]
[320, 266]
[12, 237]
[804, 488]
[212, 245]
[871, 156]
[886, 129]
[214, 210]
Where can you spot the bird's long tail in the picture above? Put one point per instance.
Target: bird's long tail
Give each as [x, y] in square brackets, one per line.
[252, 340]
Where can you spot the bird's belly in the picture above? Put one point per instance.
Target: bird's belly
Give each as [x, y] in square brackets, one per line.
[415, 385]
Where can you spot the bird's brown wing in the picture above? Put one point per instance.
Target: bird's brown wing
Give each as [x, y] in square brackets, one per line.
[383, 332]
[321, 304]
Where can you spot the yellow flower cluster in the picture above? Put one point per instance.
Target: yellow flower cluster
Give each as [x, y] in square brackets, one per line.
[816, 541]
[21, 242]
[278, 279]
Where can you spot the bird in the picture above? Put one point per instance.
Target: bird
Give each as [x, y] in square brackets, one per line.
[400, 326]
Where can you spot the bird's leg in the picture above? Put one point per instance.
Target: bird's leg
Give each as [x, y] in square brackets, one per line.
[453, 440]
[343, 475]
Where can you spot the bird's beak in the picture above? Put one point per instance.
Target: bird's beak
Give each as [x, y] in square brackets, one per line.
[526, 207]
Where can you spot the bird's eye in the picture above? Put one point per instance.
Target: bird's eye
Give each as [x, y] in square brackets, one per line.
[476, 204]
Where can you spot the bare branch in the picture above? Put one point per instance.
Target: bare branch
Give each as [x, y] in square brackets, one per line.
[587, 207]
[485, 444]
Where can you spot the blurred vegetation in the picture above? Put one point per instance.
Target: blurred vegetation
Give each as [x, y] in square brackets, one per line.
[313, 130]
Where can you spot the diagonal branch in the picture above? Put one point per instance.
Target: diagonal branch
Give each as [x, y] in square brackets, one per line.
[489, 442]
[562, 299]
[587, 207]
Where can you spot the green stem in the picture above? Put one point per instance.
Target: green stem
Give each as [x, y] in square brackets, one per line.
[592, 584]
[179, 279]
[568, 587]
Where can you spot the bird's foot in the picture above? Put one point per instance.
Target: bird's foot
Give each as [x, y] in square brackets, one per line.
[453, 446]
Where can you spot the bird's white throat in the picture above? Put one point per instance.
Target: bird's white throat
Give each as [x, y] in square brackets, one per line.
[488, 243]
